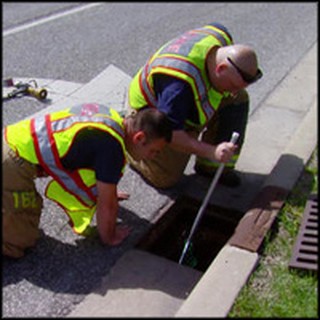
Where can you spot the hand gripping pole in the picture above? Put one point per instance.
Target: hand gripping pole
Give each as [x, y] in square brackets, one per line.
[234, 138]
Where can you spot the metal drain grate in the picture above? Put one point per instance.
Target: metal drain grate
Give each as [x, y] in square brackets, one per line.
[305, 251]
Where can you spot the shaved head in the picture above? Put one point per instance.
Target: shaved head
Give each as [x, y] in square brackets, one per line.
[231, 68]
[242, 55]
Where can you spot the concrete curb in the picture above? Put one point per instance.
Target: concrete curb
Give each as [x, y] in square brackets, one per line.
[218, 288]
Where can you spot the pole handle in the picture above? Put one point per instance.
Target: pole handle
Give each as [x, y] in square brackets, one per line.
[234, 137]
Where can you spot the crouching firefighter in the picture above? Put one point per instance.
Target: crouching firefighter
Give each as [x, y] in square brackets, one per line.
[83, 149]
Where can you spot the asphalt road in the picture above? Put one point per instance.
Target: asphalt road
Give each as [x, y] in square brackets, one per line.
[79, 45]
[75, 42]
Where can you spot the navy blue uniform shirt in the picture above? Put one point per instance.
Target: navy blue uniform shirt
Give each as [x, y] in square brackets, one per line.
[98, 150]
[176, 100]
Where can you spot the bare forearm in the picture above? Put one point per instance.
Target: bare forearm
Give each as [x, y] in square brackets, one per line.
[106, 222]
[183, 142]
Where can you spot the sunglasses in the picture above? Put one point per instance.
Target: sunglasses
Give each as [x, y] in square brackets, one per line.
[246, 76]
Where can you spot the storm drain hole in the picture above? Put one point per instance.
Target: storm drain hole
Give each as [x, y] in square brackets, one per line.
[167, 237]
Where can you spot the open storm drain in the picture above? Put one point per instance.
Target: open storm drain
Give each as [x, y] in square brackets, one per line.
[167, 237]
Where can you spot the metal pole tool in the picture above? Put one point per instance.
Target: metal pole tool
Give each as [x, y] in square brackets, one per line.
[234, 138]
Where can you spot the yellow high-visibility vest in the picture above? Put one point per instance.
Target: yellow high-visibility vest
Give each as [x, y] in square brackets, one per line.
[44, 140]
[183, 58]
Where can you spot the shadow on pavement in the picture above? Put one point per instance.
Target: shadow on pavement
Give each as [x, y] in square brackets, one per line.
[74, 268]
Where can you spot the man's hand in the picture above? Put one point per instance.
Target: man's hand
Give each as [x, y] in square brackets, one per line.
[121, 233]
[186, 143]
[224, 151]
[107, 213]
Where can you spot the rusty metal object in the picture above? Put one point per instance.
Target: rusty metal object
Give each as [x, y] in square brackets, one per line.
[254, 225]
[305, 250]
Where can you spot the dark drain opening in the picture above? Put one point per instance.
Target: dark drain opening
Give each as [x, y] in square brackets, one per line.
[167, 237]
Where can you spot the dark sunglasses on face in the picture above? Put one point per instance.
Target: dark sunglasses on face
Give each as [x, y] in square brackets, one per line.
[246, 76]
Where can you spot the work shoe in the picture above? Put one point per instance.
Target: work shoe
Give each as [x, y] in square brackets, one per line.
[228, 178]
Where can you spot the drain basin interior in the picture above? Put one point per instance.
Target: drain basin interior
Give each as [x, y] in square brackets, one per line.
[167, 237]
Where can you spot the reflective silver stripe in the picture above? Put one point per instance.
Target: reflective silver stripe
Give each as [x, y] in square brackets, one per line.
[90, 109]
[94, 190]
[151, 99]
[192, 71]
[183, 44]
[65, 123]
[48, 157]
[214, 33]
[88, 113]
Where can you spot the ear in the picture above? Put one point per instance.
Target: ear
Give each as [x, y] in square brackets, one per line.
[221, 67]
[139, 137]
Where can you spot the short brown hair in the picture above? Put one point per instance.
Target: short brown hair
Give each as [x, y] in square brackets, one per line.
[154, 123]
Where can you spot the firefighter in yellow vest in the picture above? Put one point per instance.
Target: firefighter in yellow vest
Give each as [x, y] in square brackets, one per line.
[83, 149]
[198, 79]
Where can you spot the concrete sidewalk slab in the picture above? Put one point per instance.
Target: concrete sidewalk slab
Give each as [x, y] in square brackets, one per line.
[108, 88]
[140, 285]
[272, 126]
[298, 89]
[297, 153]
